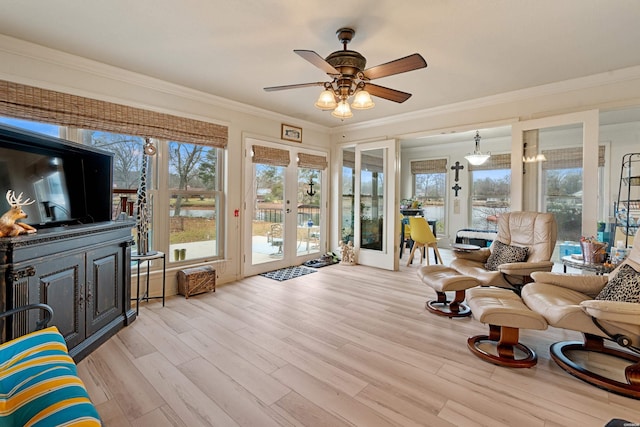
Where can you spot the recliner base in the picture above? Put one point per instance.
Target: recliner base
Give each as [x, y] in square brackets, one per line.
[442, 307]
[593, 343]
[506, 340]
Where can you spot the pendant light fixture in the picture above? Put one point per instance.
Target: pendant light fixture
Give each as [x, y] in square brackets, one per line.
[477, 158]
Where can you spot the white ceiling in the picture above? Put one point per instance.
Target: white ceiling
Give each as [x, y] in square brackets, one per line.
[233, 49]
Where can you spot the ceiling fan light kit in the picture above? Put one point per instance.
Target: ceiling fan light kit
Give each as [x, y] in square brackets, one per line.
[351, 79]
[477, 158]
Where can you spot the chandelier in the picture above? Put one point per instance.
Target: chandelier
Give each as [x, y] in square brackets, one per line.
[336, 94]
[477, 158]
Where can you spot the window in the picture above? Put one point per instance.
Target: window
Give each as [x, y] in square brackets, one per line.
[429, 188]
[348, 195]
[490, 191]
[44, 128]
[562, 188]
[195, 201]
[193, 188]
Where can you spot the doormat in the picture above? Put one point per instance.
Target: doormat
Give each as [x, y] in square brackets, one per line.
[287, 273]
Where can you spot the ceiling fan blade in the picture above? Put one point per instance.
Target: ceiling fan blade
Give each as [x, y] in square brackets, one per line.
[296, 86]
[318, 61]
[402, 65]
[386, 93]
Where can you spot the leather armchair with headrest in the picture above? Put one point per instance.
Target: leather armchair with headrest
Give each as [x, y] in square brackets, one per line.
[568, 301]
[534, 230]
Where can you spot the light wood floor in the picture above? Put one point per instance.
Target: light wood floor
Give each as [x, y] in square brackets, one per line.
[346, 346]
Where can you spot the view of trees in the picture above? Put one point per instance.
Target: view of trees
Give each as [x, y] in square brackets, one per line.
[488, 187]
[563, 189]
[269, 179]
[430, 186]
[127, 155]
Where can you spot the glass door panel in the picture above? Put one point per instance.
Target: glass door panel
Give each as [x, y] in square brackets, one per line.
[267, 225]
[308, 211]
[347, 211]
[372, 200]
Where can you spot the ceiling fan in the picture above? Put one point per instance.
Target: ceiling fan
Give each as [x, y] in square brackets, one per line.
[351, 78]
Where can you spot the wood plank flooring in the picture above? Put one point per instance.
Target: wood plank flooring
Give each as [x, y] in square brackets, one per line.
[346, 346]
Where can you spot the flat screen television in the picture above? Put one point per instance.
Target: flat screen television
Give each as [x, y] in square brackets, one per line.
[70, 183]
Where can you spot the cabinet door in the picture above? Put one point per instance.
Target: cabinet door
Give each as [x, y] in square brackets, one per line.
[105, 273]
[59, 282]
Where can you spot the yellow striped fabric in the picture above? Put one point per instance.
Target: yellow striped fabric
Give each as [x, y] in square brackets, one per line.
[39, 385]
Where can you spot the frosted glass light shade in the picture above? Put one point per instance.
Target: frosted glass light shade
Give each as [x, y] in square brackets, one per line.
[342, 111]
[326, 100]
[362, 101]
[477, 158]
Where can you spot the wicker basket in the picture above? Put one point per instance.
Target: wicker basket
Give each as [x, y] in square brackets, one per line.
[594, 252]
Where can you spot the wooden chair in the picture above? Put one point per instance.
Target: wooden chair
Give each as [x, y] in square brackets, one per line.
[423, 239]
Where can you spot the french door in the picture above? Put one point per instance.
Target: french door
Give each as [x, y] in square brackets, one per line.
[284, 209]
[369, 208]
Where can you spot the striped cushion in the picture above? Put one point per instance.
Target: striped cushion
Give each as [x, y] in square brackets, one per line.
[39, 385]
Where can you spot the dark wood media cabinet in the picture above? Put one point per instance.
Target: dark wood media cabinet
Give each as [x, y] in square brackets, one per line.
[82, 271]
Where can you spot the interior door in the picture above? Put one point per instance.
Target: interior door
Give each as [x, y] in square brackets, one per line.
[284, 206]
[369, 208]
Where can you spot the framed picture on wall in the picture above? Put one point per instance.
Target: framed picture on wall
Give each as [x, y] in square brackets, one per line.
[291, 133]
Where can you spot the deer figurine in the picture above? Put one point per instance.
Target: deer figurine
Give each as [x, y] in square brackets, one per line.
[9, 226]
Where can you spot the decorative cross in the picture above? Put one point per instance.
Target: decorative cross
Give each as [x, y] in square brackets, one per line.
[456, 187]
[457, 167]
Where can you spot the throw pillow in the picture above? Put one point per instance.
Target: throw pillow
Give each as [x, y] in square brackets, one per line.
[502, 254]
[624, 286]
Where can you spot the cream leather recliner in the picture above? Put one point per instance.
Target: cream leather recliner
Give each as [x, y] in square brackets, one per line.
[569, 301]
[532, 234]
[534, 230]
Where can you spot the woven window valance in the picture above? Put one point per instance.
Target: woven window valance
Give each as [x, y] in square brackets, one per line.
[496, 161]
[270, 156]
[568, 158]
[429, 166]
[312, 161]
[48, 106]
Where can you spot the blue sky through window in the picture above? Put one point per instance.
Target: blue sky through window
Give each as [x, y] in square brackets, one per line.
[44, 128]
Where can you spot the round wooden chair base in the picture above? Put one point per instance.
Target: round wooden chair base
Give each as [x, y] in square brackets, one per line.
[506, 360]
[559, 353]
[444, 309]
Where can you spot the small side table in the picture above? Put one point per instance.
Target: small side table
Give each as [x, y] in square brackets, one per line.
[148, 258]
[464, 247]
[569, 261]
